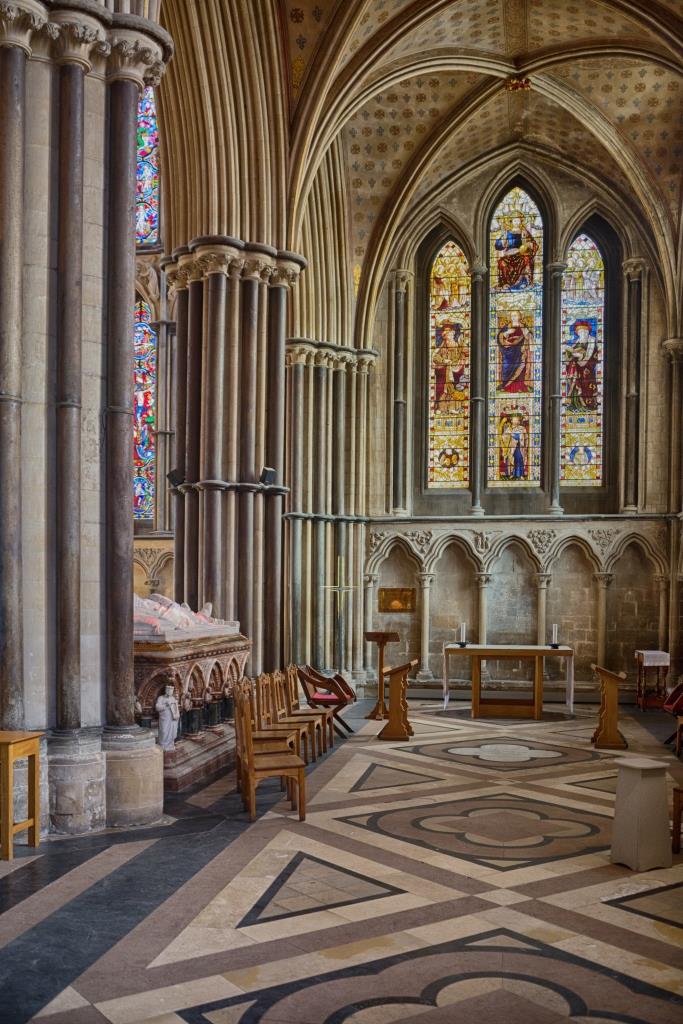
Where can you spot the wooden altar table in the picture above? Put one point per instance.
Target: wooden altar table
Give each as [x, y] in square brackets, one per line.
[511, 708]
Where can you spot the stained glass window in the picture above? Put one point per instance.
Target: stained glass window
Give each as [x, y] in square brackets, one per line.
[147, 185]
[449, 369]
[583, 308]
[515, 363]
[144, 438]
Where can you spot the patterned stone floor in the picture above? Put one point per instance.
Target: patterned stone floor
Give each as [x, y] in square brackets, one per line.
[464, 875]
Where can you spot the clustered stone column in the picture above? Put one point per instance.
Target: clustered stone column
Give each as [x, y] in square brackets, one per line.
[63, 66]
[327, 398]
[230, 406]
[401, 280]
[673, 348]
[634, 272]
[554, 384]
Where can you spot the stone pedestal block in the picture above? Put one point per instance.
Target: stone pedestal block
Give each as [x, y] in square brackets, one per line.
[135, 778]
[76, 771]
[640, 837]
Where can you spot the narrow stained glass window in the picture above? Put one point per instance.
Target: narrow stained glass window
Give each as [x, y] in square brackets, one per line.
[147, 186]
[144, 439]
[515, 362]
[449, 369]
[583, 307]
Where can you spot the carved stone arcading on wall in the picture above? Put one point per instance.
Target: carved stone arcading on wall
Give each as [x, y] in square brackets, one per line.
[421, 539]
[19, 19]
[152, 560]
[376, 538]
[542, 540]
[482, 541]
[602, 539]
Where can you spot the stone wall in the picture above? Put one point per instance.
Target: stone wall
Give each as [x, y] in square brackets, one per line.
[632, 611]
[453, 600]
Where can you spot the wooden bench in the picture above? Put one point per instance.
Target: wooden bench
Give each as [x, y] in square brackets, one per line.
[607, 735]
[15, 745]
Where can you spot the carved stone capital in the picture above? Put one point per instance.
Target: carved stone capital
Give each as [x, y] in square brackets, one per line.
[258, 268]
[297, 354]
[76, 40]
[365, 359]
[370, 579]
[285, 273]
[19, 19]
[426, 579]
[483, 578]
[216, 259]
[673, 347]
[557, 267]
[633, 268]
[322, 358]
[478, 271]
[603, 579]
[134, 57]
[402, 279]
[543, 579]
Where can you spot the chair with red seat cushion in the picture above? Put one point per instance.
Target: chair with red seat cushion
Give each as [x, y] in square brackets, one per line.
[327, 692]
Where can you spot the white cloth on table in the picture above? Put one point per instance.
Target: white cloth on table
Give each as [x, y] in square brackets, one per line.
[653, 659]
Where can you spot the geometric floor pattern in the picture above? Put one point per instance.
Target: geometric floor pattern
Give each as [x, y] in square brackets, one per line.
[462, 876]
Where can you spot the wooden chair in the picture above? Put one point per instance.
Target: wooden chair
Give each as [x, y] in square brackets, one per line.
[267, 740]
[331, 692]
[294, 704]
[257, 765]
[607, 735]
[268, 716]
[282, 713]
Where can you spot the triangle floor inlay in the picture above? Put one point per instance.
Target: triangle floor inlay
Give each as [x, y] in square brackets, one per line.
[381, 776]
[308, 884]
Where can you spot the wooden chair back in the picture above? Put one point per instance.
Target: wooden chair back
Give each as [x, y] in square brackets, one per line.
[278, 690]
[292, 681]
[243, 728]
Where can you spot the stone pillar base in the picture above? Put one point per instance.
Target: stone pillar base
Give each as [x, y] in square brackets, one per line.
[135, 777]
[76, 773]
[424, 676]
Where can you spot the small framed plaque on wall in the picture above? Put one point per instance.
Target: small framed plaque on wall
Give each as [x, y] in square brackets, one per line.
[396, 599]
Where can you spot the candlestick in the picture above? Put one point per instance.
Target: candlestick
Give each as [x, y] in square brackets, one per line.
[554, 632]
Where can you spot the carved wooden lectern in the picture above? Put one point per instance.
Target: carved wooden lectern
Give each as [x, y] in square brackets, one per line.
[380, 710]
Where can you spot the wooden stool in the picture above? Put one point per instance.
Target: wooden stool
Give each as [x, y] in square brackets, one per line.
[13, 746]
[676, 821]
[607, 735]
[398, 727]
[640, 834]
[381, 639]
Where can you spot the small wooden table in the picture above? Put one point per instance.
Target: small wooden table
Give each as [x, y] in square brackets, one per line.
[497, 707]
[649, 698]
[13, 746]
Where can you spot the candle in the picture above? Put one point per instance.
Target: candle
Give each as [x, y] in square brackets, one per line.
[463, 629]
[554, 632]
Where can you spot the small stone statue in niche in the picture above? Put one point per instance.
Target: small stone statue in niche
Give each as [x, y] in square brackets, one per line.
[169, 713]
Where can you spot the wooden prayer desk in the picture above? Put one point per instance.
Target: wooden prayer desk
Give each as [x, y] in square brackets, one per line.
[649, 698]
[497, 707]
[13, 746]
[398, 727]
[380, 710]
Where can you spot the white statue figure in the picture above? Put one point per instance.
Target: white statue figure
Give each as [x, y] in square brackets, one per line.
[169, 713]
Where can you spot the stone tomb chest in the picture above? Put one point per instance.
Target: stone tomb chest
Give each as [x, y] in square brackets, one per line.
[202, 658]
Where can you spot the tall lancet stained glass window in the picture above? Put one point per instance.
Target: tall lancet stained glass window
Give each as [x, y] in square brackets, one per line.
[449, 369]
[147, 187]
[144, 438]
[515, 361]
[583, 308]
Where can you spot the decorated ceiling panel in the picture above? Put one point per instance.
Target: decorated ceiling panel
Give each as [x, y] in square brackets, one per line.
[556, 22]
[643, 101]
[469, 26]
[383, 137]
[304, 23]
[376, 13]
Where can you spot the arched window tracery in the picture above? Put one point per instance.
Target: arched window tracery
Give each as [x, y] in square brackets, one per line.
[144, 413]
[147, 228]
[583, 317]
[515, 358]
[449, 369]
